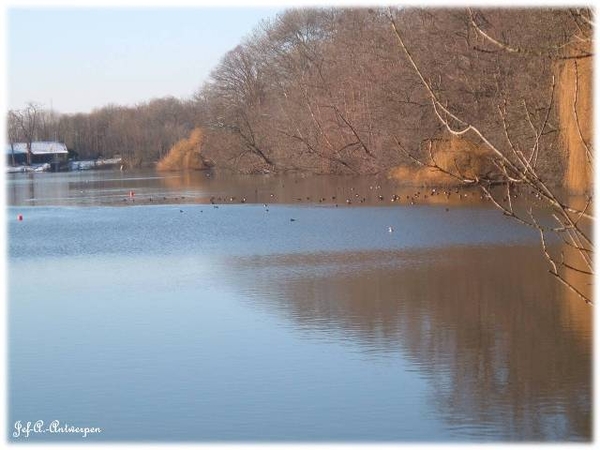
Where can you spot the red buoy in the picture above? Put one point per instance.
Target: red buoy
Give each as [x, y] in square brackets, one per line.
[20, 217]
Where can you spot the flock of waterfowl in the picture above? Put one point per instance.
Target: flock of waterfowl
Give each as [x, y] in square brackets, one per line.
[354, 198]
[422, 196]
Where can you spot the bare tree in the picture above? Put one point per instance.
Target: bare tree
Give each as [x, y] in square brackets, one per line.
[140, 134]
[518, 165]
[12, 133]
[27, 122]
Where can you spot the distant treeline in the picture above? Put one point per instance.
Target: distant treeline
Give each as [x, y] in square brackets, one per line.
[140, 134]
[331, 91]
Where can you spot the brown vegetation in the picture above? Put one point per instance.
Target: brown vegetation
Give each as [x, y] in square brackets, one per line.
[576, 119]
[472, 96]
[456, 158]
[286, 97]
[140, 134]
[185, 154]
[518, 159]
[327, 91]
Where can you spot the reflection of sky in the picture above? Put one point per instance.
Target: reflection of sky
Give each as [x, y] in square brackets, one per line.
[169, 352]
[245, 230]
[235, 322]
[490, 341]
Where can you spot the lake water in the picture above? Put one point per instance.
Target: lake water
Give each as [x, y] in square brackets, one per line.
[183, 321]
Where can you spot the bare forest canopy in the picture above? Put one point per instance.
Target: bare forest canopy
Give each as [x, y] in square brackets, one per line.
[331, 91]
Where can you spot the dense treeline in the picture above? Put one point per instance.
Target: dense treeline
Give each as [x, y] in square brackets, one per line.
[330, 91]
[140, 134]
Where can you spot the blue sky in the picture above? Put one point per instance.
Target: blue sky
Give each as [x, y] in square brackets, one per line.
[76, 59]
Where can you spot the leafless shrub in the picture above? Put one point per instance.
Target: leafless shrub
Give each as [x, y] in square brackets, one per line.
[517, 162]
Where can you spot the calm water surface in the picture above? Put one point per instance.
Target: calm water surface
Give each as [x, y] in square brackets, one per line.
[186, 322]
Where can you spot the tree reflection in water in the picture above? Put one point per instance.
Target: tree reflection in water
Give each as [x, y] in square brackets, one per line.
[501, 343]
